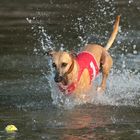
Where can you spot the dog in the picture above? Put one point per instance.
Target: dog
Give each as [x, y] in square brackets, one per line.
[74, 73]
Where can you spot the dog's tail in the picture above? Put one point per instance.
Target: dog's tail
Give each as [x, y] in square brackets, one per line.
[114, 33]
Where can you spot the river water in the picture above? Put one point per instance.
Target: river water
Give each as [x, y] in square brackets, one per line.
[28, 96]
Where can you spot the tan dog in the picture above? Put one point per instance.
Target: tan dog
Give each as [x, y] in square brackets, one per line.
[75, 73]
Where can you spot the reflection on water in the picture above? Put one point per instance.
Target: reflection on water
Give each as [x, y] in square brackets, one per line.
[28, 97]
[90, 122]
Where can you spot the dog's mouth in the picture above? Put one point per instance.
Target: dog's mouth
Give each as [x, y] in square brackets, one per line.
[61, 80]
[62, 83]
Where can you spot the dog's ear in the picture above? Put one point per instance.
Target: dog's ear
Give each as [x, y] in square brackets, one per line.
[73, 54]
[49, 53]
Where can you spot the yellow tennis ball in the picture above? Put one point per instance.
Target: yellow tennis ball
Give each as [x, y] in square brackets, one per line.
[10, 128]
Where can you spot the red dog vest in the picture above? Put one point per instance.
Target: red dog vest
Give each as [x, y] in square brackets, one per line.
[85, 60]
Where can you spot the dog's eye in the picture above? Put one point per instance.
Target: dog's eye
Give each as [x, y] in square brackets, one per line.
[54, 65]
[63, 64]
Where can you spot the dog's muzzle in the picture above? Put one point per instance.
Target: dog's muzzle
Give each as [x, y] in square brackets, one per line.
[60, 79]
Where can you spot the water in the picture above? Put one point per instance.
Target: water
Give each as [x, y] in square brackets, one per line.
[28, 96]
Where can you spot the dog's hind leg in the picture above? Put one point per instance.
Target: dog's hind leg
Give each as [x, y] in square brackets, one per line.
[106, 64]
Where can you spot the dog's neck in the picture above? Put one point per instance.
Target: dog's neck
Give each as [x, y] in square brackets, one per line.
[70, 68]
[73, 73]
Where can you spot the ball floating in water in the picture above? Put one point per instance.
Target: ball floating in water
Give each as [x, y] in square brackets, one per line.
[11, 128]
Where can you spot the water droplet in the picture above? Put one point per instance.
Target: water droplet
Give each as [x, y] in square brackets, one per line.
[134, 46]
[135, 52]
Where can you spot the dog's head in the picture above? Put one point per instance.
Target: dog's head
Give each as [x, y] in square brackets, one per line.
[63, 63]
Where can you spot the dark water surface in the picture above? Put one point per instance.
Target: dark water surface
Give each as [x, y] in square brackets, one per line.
[28, 96]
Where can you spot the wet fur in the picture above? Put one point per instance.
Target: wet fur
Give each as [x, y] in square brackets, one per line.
[103, 58]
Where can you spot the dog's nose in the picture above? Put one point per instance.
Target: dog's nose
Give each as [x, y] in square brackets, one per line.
[58, 78]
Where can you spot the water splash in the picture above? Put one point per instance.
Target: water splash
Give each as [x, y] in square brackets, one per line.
[43, 38]
[123, 89]
[45, 44]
